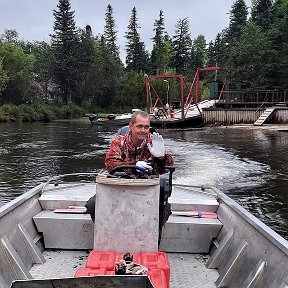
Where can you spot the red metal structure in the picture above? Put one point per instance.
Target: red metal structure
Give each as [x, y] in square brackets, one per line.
[158, 101]
[185, 101]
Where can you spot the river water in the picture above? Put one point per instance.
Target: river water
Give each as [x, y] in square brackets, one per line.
[250, 165]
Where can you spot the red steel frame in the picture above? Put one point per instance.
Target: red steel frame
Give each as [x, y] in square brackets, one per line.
[189, 98]
[158, 99]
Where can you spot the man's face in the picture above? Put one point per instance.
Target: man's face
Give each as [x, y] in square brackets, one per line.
[140, 129]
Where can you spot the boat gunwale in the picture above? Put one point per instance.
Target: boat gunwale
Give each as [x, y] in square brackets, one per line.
[256, 223]
[11, 205]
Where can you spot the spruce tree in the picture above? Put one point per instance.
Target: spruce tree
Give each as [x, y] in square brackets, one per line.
[110, 33]
[181, 42]
[198, 53]
[279, 35]
[157, 53]
[211, 54]
[249, 63]
[85, 58]
[238, 19]
[65, 44]
[261, 13]
[136, 56]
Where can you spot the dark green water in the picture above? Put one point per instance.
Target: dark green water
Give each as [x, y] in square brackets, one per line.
[249, 165]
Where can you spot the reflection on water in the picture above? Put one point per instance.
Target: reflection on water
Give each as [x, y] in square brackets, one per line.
[249, 165]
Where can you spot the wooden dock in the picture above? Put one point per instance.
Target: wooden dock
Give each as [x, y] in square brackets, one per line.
[230, 116]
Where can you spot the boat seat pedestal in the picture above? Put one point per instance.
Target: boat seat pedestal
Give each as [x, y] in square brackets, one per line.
[127, 215]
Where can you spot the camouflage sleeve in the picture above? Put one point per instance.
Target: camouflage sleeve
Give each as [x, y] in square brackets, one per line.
[169, 160]
[114, 155]
[160, 164]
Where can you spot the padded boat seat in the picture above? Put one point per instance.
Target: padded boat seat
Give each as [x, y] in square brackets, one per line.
[65, 231]
[188, 234]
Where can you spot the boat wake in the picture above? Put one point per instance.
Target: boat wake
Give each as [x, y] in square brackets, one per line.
[210, 165]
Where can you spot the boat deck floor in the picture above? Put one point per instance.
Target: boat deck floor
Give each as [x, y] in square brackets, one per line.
[187, 270]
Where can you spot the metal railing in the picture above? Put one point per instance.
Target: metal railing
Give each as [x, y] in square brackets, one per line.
[256, 96]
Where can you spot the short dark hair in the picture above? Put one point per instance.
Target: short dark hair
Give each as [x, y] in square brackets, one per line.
[141, 113]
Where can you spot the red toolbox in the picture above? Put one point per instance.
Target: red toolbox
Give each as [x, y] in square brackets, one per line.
[158, 278]
[82, 271]
[101, 259]
[103, 263]
[156, 260]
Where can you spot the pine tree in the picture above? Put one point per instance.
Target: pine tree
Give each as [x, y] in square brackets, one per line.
[136, 56]
[181, 46]
[261, 13]
[157, 53]
[110, 33]
[65, 44]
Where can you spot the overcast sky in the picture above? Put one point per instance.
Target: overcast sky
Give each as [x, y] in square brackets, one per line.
[33, 19]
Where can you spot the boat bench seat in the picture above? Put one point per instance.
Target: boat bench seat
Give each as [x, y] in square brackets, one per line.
[65, 230]
[188, 234]
[207, 205]
[61, 197]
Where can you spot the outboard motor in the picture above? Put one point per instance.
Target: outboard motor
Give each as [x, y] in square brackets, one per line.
[93, 117]
[165, 193]
[111, 116]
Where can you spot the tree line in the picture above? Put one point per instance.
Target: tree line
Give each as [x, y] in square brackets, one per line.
[80, 67]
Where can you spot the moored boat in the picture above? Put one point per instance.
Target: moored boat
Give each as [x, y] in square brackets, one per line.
[111, 119]
[233, 250]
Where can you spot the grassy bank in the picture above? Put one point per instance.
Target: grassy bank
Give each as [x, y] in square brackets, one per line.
[39, 112]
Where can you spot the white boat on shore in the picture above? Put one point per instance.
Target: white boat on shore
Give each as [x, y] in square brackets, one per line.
[43, 244]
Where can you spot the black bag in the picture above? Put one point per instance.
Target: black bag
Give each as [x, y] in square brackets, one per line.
[90, 206]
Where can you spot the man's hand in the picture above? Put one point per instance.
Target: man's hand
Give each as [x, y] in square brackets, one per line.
[143, 165]
[157, 148]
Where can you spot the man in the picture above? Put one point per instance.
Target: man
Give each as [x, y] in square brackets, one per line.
[144, 150]
[139, 147]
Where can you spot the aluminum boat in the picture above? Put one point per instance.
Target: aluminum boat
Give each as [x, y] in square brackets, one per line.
[209, 240]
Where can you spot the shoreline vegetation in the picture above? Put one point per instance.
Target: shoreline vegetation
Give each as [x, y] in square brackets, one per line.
[40, 112]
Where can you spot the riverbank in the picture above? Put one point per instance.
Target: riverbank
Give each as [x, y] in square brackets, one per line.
[78, 120]
[39, 112]
[271, 127]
